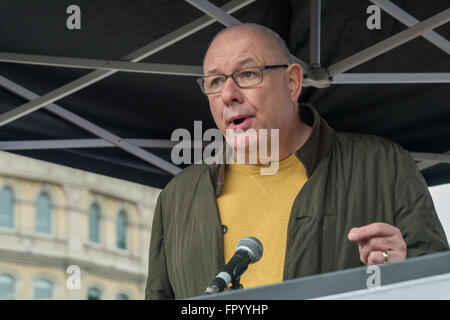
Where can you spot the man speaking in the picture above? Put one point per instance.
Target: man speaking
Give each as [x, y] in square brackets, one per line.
[336, 201]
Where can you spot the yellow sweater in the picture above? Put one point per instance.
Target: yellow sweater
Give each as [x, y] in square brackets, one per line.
[258, 205]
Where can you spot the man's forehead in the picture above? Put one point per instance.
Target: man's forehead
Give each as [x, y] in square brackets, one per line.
[229, 52]
[213, 68]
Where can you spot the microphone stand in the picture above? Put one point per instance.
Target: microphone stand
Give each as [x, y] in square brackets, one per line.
[235, 284]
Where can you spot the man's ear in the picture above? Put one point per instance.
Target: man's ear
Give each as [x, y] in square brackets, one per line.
[295, 80]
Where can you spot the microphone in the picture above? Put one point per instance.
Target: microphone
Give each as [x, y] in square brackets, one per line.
[248, 250]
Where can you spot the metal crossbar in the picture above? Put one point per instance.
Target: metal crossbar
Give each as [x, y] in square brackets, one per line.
[81, 63]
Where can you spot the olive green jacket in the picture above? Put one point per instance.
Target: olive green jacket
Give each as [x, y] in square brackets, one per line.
[353, 180]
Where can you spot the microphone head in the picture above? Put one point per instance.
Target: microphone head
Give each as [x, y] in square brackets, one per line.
[253, 247]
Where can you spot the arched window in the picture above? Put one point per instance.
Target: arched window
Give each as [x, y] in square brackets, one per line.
[94, 223]
[43, 213]
[122, 296]
[122, 230]
[43, 289]
[94, 294]
[7, 208]
[7, 287]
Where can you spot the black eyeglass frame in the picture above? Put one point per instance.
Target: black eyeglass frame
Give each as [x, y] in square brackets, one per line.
[201, 80]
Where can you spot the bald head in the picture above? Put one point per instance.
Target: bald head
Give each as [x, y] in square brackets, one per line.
[272, 44]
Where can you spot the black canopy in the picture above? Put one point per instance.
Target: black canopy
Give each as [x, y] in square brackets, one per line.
[135, 105]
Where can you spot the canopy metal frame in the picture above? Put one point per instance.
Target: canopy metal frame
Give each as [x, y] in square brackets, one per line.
[151, 143]
[315, 75]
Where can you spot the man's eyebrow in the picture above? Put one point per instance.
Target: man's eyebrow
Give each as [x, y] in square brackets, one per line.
[212, 71]
[239, 64]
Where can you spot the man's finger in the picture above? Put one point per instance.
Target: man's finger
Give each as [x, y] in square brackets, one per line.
[376, 244]
[377, 229]
[375, 257]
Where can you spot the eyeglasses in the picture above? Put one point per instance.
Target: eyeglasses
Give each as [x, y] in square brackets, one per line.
[244, 78]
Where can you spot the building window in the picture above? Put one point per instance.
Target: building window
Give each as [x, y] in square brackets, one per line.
[122, 296]
[94, 223]
[122, 230]
[43, 289]
[94, 294]
[43, 214]
[7, 287]
[7, 208]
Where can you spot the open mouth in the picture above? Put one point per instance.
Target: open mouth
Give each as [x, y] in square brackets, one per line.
[238, 121]
[242, 122]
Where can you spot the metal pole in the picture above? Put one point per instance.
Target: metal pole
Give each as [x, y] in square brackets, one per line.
[215, 12]
[79, 63]
[314, 34]
[91, 143]
[394, 78]
[437, 157]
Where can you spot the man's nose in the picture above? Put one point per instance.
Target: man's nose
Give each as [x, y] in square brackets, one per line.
[231, 93]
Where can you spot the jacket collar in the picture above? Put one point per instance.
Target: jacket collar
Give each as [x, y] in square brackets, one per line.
[310, 154]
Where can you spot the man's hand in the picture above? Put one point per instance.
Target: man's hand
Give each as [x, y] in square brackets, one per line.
[375, 238]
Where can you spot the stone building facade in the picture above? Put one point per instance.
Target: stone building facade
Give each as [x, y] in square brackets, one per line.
[70, 234]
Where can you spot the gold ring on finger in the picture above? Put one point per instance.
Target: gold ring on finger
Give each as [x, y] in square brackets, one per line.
[385, 256]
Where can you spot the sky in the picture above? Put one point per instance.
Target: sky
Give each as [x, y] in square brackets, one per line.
[441, 199]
